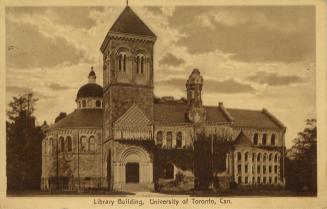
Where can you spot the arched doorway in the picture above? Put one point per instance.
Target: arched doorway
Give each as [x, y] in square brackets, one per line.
[132, 173]
[133, 168]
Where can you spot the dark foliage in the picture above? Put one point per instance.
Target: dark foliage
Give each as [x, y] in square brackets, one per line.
[301, 161]
[23, 145]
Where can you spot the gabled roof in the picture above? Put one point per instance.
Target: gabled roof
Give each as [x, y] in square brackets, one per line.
[252, 118]
[81, 118]
[134, 116]
[128, 22]
[242, 140]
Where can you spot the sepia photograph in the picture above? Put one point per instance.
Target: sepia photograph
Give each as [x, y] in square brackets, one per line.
[133, 100]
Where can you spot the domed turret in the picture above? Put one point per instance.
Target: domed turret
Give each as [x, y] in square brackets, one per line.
[90, 95]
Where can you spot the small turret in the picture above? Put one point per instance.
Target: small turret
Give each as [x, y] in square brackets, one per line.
[194, 87]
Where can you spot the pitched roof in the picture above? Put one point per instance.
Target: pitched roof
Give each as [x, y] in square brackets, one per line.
[215, 114]
[170, 113]
[129, 22]
[134, 116]
[252, 118]
[81, 118]
[177, 113]
[242, 140]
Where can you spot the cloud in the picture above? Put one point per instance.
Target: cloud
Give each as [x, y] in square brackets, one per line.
[251, 33]
[77, 17]
[274, 79]
[19, 90]
[226, 86]
[28, 48]
[210, 86]
[170, 59]
[56, 86]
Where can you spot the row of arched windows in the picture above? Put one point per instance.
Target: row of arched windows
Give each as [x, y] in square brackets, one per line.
[66, 144]
[264, 140]
[169, 139]
[271, 157]
[122, 62]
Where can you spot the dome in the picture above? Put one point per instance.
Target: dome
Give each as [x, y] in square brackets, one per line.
[90, 90]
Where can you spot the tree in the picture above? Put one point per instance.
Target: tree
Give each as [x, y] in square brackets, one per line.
[301, 161]
[23, 145]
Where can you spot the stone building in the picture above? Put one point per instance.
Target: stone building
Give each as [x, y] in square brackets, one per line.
[120, 137]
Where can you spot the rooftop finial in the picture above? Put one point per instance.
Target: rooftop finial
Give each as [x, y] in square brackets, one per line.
[126, 2]
[92, 76]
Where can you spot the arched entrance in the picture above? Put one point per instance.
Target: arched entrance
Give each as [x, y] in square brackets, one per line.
[133, 169]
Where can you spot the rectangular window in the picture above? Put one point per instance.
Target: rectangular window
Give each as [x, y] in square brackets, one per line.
[239, 169]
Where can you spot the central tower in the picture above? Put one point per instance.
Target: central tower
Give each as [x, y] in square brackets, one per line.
[127, 69]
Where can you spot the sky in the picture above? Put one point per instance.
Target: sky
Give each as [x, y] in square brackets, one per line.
[251, 57]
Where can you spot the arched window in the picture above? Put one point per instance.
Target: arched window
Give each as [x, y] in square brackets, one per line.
[276, 157]
[122, 62]
[91, 144]
[83, 144]
[270, 157]
[69, 143]
[246, 156]
[169, 140]
[264, 139]
[273, 139]
[140, 63]
[253, 157]
[259, 157]
[255, 139]
[239, 156]
[179, 138]
[275, 179]
[53, 146]
[159, 138]
[83, 103]
[169, 171]
[61, 144]
[264, 157]
[98, 103]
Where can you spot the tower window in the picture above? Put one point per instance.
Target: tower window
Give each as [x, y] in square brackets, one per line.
[122, 62]
[273, 139]
[140, 64]
[264, 139]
